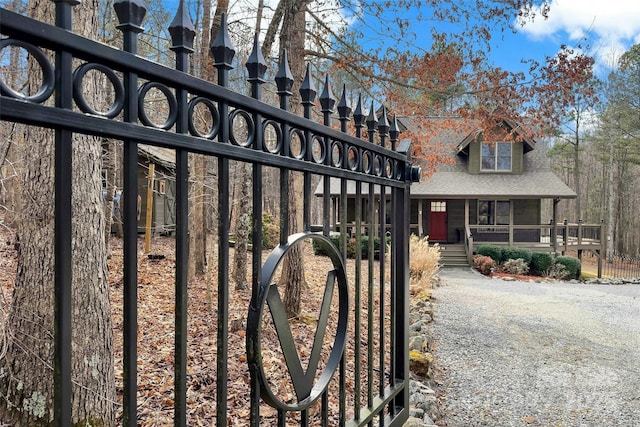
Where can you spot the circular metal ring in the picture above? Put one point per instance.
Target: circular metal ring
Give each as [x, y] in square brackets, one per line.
[215, 117]
[377, 165]
[307, 388]
[118, 88]
[300, 154]
[171, 100]
[268, 145]
[389, 168]
[250, 128]
[337, 155]
[318, 151]
[367, 162]
[353, 156]
[398, 170]
[48, 75]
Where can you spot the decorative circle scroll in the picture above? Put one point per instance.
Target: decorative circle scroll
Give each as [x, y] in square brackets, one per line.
[215, 117]
[307, 385]
[388, 170]
[118, 89]
[353, 156]
[172, 116]
[272, 137]
[398, 171]
[318, 152]
[48, 76]
[241, 122]
[367, 162]
[336, 154]
[297, 144]
[377, 165]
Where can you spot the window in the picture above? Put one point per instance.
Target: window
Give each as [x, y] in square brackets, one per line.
[496, 156]
[493, 212]
[438, 206]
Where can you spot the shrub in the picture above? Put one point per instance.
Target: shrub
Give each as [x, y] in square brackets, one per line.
[559, 271]
[351, 246]
[483, 264]
[424, 263]
[270, 231]
[515, 266]
[572, 265]
[493, 252]
[541, 262]
[517, 253]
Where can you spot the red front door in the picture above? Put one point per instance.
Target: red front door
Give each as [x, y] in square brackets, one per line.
[438, 221]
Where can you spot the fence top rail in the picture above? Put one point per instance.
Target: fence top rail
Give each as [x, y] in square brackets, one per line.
[19, 111]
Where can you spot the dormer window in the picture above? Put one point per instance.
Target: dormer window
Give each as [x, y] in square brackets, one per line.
[496, 156]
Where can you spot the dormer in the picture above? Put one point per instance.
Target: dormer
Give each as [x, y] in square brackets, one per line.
[498, 156]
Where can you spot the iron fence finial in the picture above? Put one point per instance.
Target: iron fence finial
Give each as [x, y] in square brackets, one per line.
[130, 15]
[182, 30]
[383, 123]
[256, 64]
[222, 47]
[284, 77]
[344, 109]
[308, 90]
[359, 117]
[327, 100]
[372, 120]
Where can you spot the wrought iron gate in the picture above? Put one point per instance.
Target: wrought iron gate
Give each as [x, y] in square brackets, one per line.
[365, 371]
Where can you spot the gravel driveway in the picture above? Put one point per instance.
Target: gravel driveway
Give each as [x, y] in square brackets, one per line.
[540, 354]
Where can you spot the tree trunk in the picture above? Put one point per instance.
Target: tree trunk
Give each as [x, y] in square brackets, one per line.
[611, 205]
[242, 227]
[577, 171]
[27, 369]
[109, 167]
[292, 37]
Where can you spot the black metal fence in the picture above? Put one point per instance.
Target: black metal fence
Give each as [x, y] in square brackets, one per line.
[364, 373]
[616, 265]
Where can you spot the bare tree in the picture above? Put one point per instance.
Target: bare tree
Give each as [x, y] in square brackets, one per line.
[27, 369]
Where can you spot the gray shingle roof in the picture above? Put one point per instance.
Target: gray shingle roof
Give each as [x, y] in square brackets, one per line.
[537, 180]
[452, 181]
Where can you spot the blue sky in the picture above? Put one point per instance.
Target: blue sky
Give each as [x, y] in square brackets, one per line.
[605, 29]
[608, 28]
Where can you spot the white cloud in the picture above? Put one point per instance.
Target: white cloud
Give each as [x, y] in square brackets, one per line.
[614, 18]
[609, 27]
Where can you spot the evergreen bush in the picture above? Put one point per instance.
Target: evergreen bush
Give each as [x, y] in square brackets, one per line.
[572, 265]
[493, 252]
[541, 262]
[351, 246]
[270, 231]
[517, 253]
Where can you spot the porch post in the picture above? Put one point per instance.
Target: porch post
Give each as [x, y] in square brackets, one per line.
[554, 226]
[420, 227]
[466, 214]
[510, 222]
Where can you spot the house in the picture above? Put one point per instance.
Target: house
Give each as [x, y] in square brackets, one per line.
[492, 192]
[163, 219]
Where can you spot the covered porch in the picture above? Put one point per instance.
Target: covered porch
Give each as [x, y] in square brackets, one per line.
[471, 222]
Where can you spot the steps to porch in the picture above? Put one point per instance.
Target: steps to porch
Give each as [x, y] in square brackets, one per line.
[453, 256]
